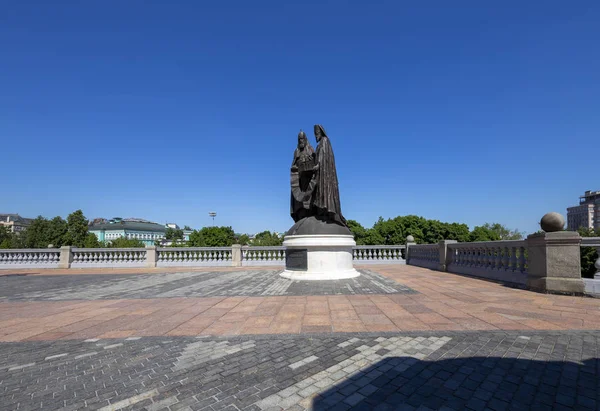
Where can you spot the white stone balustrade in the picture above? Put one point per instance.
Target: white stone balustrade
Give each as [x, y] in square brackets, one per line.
[378, 254]
[193, 256]
[495, 260]
[108, 257]
[424, 255]
[263, 256]
[30, 258]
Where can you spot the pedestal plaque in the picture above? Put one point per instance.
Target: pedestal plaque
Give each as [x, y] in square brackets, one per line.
[296, 259]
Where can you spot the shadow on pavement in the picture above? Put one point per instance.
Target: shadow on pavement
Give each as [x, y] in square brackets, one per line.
[477, 383]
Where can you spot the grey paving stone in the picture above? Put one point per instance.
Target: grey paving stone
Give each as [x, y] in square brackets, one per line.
[185, 378]
[186, 284]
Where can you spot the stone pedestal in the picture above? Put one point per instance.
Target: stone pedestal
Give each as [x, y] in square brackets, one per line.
[554, 262]
[317, 250]
[319, 257]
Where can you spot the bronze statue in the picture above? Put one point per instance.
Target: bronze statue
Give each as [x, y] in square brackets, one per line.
[314, 182]
[302, 179]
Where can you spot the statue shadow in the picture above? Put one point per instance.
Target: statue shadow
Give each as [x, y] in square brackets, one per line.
[477, 383]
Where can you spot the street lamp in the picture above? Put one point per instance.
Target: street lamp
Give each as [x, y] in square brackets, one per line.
[213, 215]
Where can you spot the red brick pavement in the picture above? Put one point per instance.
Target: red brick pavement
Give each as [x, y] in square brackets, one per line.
[444, 302]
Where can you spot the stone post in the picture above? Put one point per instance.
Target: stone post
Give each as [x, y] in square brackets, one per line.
[66, 257]
[444, 256]
[151, 256]
[554, 262]
[236, 255]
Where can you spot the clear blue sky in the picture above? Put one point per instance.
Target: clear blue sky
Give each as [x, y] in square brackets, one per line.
[471, 112]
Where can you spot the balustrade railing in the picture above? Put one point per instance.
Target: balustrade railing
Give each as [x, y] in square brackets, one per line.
[496, 260]
[257, 256]
[378, 254]
[193, 256]
[424, 255]
[108, 257]
[30, 258]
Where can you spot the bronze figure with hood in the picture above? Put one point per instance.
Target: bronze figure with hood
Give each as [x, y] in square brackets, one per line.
[314, 181]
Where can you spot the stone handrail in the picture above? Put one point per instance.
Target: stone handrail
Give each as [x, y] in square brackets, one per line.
[424, 255]
[263, 256]
[108, 257]
[495, 260]
[30, 258]
[590, 241]
[193, 256]
[378, 254]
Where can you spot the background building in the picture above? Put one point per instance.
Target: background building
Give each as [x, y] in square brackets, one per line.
[15, 222]
[134, 228]
[586, 214]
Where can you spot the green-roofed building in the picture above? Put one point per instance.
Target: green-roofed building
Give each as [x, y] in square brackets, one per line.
[133, 228]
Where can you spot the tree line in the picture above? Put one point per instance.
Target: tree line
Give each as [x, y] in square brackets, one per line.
[394, 231]
[74, 232]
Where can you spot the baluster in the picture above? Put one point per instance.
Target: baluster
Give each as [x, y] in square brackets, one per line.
[521, 266]
[513, 259]
[497, 258]
[492, 257]
[505, 259]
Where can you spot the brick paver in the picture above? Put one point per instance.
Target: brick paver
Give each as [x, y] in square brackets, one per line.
[431, 370]
[424, 300]
[400, 338]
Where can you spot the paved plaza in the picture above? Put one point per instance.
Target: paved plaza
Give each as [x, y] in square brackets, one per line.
[398, 337]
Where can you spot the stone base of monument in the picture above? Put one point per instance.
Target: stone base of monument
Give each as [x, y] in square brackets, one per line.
[318, 251]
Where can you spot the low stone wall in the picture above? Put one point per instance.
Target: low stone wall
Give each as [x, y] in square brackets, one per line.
[236, 256]
[547, 262]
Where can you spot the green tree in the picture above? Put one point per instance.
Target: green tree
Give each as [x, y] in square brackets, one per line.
[589, 255]
[38, 234]
[242, 239]
[456, 231]
[364, 236]
[187, 228]
[123, 242]
[173, 234]
[481, 233]
[77, 229]
[58, 232]
[212, 237]
[503, 232]
[5, 237]
[91, 241]
[266, 239]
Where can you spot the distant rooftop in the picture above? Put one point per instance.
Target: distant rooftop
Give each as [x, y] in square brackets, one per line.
[589, 196]
[8, 217]
[132, 223]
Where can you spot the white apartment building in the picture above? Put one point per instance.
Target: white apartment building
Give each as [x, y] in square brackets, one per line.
[586, 214]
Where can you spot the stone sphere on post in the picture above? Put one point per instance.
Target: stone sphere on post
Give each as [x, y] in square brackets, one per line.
[552, 222]
[410, 239]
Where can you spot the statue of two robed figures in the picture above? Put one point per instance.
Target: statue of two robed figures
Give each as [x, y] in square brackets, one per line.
[319, 246]
[315, 191]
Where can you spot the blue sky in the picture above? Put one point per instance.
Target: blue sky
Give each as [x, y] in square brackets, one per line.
[460, 111]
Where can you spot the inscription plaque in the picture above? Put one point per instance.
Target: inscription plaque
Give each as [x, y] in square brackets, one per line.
[296, 259]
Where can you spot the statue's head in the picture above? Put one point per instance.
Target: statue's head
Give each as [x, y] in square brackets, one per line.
[302, 140]
[319, 132]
